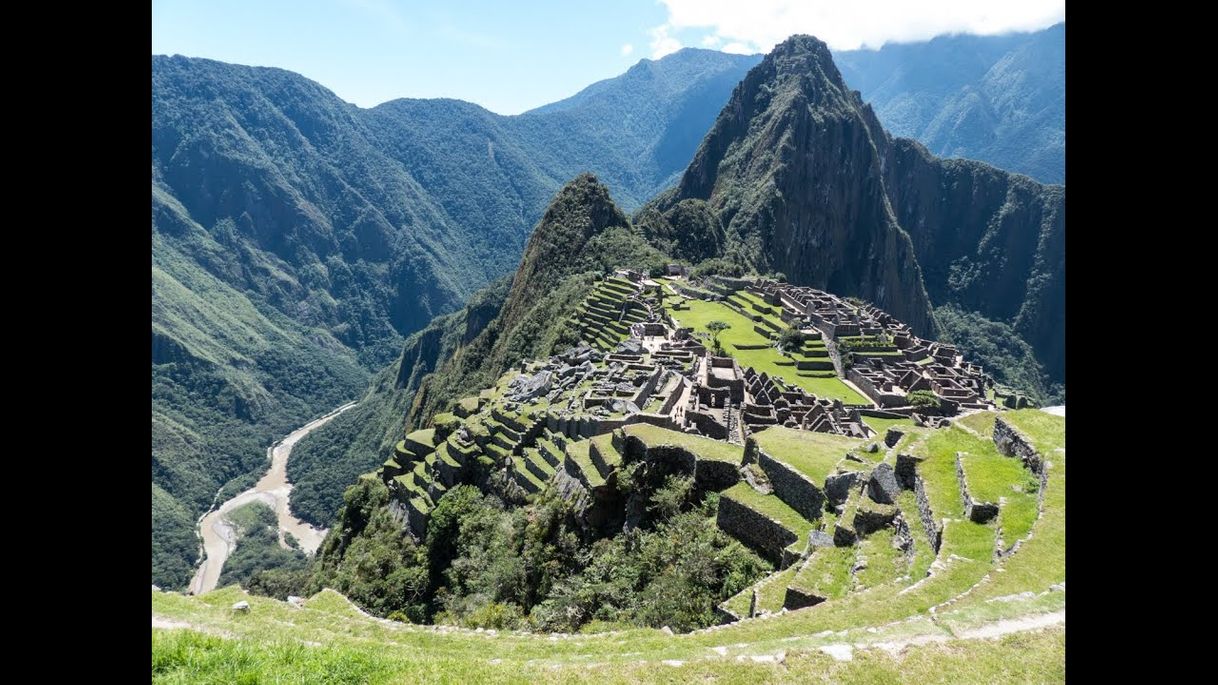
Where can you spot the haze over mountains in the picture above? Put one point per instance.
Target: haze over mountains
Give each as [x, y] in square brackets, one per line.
[298, 239]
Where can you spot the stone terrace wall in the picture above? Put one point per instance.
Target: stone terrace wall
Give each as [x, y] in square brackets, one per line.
[976, 511]
[1012, 443]
[934, 529]
[792, 487]
[751, 527]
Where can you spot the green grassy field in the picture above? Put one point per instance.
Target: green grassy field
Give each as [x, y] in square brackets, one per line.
[769, 360]
[881, 425]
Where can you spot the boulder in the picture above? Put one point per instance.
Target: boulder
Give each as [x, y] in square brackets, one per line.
[883, 487]
[296, 601]
[819, 538]
[242, 607]
[893, 436]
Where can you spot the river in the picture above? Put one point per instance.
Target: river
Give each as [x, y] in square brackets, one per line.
[219, 536]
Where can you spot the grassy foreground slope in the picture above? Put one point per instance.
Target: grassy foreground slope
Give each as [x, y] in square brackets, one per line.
[898, 630]
[329, 641]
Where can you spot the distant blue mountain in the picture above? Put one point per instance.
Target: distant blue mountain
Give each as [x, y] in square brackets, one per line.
[998, 99]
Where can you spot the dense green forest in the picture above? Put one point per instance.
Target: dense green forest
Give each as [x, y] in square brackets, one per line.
[258, 549]
[487, 565]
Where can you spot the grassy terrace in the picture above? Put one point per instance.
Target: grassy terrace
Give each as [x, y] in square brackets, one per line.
[772, 507]
[739, 603]
[1004, 481]
[704, 448]
[773, 592]
[815, 455]
[769, 360]
[1041, 561]
[827, 572]
[578, 452]
[982, 422]
[881, 425]
[939, 470]
[885, 563]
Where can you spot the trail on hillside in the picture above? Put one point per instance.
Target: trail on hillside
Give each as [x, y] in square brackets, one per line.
[219, 536]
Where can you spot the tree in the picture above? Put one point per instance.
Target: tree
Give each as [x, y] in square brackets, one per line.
[717, 327]
[790, 339]
[924, 399]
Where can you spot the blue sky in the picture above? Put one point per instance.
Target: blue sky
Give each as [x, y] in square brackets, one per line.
[511, 56]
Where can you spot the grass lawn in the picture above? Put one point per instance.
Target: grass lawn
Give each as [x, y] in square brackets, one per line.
[885, 563]
[815, 455]
[771, 596]
[766, 360]
[704, 448]
[982, 422]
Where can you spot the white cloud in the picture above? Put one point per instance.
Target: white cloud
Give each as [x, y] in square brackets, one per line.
[627, 49]
[711, 41]
[662, 43]
[762, 24]
[740, 48]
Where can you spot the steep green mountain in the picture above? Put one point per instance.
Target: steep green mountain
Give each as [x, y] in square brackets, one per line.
[999, 99]
[298, 238]
[805, 181]
[582, 235]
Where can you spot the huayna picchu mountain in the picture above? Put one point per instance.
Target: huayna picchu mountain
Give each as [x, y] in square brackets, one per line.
[804, 181]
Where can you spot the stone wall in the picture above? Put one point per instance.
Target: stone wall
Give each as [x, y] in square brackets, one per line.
[934, 529]
[1012, 443]
[838, 485]
[792, 487]
[765, 535]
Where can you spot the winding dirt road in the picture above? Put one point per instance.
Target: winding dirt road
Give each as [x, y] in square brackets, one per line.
[219, 536]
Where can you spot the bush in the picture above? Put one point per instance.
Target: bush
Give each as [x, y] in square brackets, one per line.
[717, 266]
